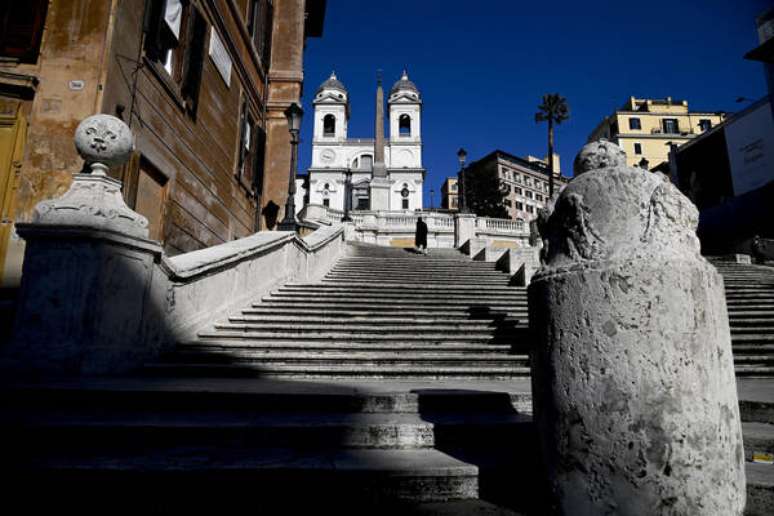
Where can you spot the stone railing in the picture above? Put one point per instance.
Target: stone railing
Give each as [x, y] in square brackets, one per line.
[501, 225]
[390, 228]
[97, 296]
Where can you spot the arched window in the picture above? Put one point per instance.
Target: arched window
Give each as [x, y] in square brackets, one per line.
[404, 193]
[404, 125]
[329, 125]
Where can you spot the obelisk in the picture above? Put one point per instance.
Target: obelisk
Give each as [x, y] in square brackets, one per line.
[380, 184]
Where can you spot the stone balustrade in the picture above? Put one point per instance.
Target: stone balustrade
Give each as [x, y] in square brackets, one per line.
[397, 228]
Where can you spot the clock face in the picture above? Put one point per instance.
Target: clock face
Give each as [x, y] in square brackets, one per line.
[328, 156]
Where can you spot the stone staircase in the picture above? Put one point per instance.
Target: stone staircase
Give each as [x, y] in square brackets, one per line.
[390, 388]
[379, 313]
[750, 299]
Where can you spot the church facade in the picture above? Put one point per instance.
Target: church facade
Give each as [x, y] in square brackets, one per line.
[383, 174]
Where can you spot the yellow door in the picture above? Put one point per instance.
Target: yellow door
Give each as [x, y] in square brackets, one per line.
[13, 132]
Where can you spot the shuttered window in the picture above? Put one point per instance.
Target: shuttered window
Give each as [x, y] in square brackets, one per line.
[21, 28]
[261, 23]
[252, 152]
[175, 34]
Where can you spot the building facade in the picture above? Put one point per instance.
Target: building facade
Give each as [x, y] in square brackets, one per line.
[645, 128]
[395, 163]
[450, 194]
[523, 183]
[192, 78]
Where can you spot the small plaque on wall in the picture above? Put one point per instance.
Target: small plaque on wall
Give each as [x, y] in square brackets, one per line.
[220, 56]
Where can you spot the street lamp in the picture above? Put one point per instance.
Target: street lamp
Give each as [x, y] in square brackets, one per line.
[293, 113]
[462, 155]
[347, 195]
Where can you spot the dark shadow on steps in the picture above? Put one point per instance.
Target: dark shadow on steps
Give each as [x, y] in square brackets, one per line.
[483, 428]
[506, 329]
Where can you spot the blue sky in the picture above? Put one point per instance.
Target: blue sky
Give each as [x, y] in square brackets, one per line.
[483, 66]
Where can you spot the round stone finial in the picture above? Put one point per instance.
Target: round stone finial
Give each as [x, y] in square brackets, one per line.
[104, 140]
[599, 154]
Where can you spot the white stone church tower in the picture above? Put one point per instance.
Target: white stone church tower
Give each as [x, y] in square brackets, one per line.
[387, 174]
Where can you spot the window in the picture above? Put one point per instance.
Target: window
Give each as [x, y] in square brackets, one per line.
[527, 181]
[530, 209]
[175, 32]
[634, 124]
[528, 194]
[638, 148]
[252, 151]
[260, 24]
[366, 162]
[329, 125]
[517, 178]
[453, 187]
[327, 202]
[404, 193]
[538, 197]
[705, 125]
[508, 203]
[519, 206]
[21, 27]
[518, 190]
[671, 126]
[404, 125]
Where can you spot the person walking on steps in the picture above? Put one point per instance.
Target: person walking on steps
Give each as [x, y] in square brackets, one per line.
[758, 255]
[420, 238]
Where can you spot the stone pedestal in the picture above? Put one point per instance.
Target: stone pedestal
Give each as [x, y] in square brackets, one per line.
[88, 277]
[380, 194]
[464, 228]
[633, 378]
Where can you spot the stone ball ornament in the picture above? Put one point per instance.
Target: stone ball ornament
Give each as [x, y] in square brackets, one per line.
[597, 155]
[104, 139]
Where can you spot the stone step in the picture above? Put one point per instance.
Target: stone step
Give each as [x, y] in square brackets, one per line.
[276, 477]
[348, 359]
[514, 294]
[746, 349]
[483, 297]
[337, 372]
[345, 311]
[376, 318]
[758, 437]
[397, 287]
[761, 360]
[304, 345]
[244, 330]
[255, 324]
[754, 371]
[304, 431]
[480, 306]
[420, 278]
[754, 330]
[748, 339]
[737, 321]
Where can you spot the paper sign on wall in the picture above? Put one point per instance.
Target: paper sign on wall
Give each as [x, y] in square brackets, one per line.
[220, 56]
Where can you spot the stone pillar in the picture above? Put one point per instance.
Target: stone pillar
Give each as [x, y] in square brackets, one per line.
[632, 374]
[464, 228]
[85, 303]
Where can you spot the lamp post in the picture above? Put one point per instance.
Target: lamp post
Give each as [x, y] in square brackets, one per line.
[347, 195]
[293, 114]
[462, 155]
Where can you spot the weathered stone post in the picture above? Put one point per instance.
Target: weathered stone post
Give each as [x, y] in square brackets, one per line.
[85, 298]
[464, 228]
[633, 378]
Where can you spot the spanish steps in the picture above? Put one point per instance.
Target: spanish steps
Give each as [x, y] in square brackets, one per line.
[390, 313]
[396, 385]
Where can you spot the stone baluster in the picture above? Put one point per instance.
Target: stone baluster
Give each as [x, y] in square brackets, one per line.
[633, 377]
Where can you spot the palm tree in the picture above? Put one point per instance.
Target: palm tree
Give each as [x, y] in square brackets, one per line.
[553, 110]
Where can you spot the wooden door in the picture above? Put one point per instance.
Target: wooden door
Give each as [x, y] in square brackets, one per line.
[151, 197]
[13, 133]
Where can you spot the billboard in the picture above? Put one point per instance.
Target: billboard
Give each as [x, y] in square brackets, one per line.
[750, 145]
